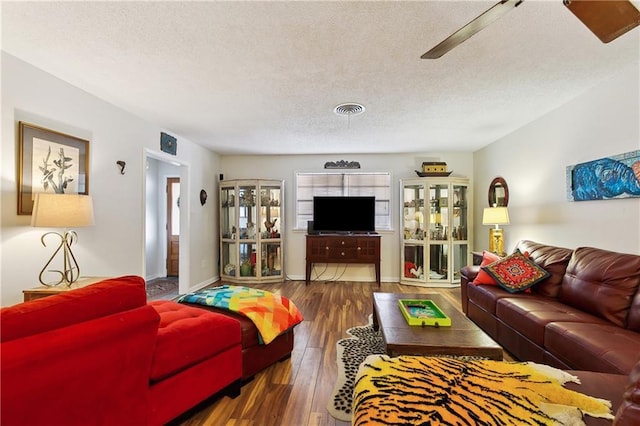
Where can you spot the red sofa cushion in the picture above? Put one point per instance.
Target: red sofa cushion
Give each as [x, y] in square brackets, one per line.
[188, 335]
[84, 304]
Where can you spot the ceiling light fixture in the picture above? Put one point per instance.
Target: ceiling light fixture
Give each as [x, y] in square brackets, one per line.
[348, 109]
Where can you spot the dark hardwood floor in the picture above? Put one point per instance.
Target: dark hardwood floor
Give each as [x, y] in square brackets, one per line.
[295, 392]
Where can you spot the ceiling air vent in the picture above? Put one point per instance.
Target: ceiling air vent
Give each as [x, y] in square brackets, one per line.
[349, 109]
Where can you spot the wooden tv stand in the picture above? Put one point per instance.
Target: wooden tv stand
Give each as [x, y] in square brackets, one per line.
[343, 248]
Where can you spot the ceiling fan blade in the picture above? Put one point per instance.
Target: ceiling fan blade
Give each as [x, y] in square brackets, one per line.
[608, 20]
[493, 13]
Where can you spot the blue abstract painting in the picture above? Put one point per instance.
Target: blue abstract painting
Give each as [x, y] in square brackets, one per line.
[604, 179]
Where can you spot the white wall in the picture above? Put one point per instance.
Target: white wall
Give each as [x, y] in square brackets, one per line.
[153, 235]
[115, 245]
[602, 122]
[402, 166]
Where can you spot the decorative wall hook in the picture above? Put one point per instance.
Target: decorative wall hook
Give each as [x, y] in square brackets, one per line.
[122, 165]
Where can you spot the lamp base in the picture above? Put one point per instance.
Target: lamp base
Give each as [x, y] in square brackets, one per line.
[70, 269]
[496, 241]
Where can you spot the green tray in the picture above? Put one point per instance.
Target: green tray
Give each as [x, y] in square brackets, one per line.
[423, 313]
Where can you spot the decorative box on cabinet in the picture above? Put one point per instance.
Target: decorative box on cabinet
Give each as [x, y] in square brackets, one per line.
[437, 230]
[251, 220]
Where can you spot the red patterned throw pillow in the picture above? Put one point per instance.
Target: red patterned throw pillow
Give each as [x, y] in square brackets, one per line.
[516, 272]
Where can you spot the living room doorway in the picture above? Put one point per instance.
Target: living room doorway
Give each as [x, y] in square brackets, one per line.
[165, 219]
[173, 226]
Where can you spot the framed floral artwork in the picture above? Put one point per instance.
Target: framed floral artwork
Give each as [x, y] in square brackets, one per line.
[49, 161]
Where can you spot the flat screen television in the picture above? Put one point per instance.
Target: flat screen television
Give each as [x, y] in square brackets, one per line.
[344, 214]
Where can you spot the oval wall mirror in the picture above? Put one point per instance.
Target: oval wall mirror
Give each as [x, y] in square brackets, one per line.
[498, 193]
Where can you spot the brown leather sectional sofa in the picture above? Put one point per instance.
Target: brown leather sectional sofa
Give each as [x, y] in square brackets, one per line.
[585, 316]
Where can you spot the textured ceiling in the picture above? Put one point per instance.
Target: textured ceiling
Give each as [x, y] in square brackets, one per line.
[264, 77]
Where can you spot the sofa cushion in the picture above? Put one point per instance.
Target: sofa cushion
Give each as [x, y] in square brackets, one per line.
[486, 296]
[94, 301]
[188, 335]
[602, 283]
[515, 272]
[530, 315]
[553, 259]
[593, 347]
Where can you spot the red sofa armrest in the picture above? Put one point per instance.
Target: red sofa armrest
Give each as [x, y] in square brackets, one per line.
[97, 369]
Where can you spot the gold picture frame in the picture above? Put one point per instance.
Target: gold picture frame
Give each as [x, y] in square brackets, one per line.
[49, 161]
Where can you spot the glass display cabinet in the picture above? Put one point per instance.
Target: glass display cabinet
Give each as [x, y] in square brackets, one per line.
[436, 230]
[251, 217]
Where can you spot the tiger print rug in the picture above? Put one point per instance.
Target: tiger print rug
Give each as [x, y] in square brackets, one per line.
[351, 352]
[414, 390]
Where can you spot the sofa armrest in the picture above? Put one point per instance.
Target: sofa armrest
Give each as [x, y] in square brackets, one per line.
[467, 275]
[61, 310]
[97, 369]
[628, 413]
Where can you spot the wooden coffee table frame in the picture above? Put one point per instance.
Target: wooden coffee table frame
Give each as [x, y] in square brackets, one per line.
[462, 338]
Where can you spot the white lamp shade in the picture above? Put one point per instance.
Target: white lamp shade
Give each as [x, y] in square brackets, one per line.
[62, 211]
[495, 216]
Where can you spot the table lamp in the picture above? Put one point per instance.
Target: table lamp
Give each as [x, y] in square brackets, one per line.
[496, 216]
[62, 211]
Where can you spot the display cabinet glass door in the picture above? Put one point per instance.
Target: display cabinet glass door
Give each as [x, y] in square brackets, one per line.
[460, 259]
[460, 229]
[413, 212]
[227, 213]
[460, 224]
[271, 259]
[228, 231]
[270, 198]
[413, 231]
[247, 213]
[438, 232]
[270, 236]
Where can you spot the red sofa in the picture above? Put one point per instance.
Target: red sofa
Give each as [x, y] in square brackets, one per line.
[102, 355]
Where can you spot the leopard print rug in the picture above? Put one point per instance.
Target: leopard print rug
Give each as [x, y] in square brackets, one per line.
[351, 352]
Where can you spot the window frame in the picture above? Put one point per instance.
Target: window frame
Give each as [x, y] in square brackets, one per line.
[344, 189]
